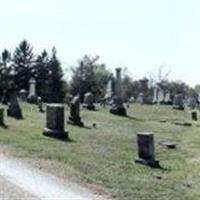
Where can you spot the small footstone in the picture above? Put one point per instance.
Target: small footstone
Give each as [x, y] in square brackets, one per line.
[169, 145]
[194, 116]
[55, 122]
[146, 153]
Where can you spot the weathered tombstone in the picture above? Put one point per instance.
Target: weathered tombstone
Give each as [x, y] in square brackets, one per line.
[89, 101]
[167, 99]
[40, 104]
[23, 95]
[1, 116]
[161, 96]
[32, 97]
[55, 122]
[192, 103]
[178, 103]
[140, 98]
[74, 117]
[146, 154]
[194, 116]
[14, 109]
[132, 100]
[117, 104]
[155, 95]
[109, 90]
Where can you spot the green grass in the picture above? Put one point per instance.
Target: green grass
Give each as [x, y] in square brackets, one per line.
[103, 157]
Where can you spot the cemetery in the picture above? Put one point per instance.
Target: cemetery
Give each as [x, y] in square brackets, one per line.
[118, 137]
[122, 157]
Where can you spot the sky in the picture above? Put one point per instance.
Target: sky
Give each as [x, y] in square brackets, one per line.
[138, 34]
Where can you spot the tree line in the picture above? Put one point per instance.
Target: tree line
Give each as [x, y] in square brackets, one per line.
[17, 68]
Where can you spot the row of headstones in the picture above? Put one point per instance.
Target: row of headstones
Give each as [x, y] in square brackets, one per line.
[55, 128]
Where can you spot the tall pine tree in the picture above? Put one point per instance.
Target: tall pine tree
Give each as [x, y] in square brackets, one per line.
[23, 60]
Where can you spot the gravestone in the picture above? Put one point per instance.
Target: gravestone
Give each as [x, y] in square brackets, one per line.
[146, 154]
[74, 117]
[194, 116]
[55, 122]
[32, 97]
[14, 109]
[161, 96]
[155, 95]
[192, 103]
[23, 95]
[178, 103]
[1, 116]
[89, 101]
[40, 104]
[117, 102]
[167, 99]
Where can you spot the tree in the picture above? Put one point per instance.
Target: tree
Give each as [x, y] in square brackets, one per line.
[41, 73]
[89, 76]
[23, 61]
[55, 82]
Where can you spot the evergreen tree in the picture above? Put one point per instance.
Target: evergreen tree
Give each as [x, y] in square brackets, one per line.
[23, 61]
[55, 80]
[41, 73]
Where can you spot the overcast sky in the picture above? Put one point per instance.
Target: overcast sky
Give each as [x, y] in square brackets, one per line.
[137, 34]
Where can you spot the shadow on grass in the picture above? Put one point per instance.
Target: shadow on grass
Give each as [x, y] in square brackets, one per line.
[4, 126]
[134, 118]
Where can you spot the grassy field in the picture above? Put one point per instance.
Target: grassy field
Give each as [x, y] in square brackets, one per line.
[103, 157]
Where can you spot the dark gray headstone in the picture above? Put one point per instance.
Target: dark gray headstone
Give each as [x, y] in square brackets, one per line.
[55, 122]
[74, 117]
[146, 154]
[14, 109]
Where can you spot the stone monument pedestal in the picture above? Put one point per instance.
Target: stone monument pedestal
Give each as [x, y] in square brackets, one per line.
[55, 122]
[146, 155]
[118, 107]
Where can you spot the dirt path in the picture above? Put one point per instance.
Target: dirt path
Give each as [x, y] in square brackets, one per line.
[18, 180]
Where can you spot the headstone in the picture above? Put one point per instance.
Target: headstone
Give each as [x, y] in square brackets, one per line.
[109, 90]
[74, 117]
[161, 96]
[89, 101]
[168, 99]
[132, 100]
[155, 95]
[146, 154]
[14, 109]
[23, 95]
[55, 122]
[32, 97]
[117, 104]
[192, 103]
[1, 116]
[178, 102]
[194, 116]
[40, 104]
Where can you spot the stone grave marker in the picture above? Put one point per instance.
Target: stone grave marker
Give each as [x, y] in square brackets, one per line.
[146, 154]
[14, 109]
[117, 102]
[89, 101]
[32, 97]
[74, 118]
[55, 122]
[2, 117]
[194, 116]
